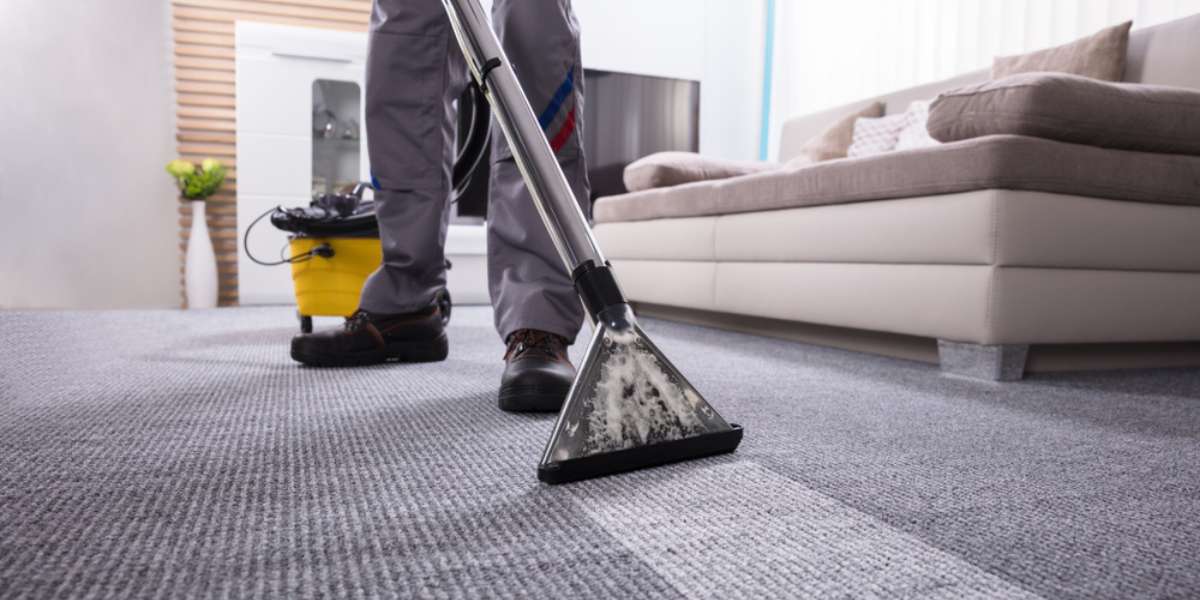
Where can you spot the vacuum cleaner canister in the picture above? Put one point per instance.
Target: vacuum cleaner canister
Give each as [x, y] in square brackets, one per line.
[330, 287]
[333, 246]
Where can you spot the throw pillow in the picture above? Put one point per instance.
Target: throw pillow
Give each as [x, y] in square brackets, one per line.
[834, 141]
[1099, 56]
[877, 135]
[916, 134]
[1073, 109]
[665, 169]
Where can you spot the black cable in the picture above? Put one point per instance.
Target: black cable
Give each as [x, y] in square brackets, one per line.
[320, 250]
[470, 156]
[299, 258]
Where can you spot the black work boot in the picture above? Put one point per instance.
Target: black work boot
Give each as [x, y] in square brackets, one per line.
[370, 339]
[538, 373]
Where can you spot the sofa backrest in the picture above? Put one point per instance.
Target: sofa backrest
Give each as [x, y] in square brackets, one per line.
[1166, 54]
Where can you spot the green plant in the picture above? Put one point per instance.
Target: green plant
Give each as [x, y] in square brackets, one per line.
[197, 182]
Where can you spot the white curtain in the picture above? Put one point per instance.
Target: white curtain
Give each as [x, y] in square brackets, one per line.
[830, 52]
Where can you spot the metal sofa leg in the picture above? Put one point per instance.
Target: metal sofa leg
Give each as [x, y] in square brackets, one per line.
[1003, 362]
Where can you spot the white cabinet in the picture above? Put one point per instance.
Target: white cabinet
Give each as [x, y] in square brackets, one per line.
[276, 70]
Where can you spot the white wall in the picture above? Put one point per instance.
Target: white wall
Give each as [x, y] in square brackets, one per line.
[88, 215]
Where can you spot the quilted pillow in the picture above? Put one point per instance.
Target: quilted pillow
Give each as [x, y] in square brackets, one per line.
[878, 135]
[915, 134]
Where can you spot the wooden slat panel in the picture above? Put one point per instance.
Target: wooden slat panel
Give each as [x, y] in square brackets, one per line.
[206, 15]
[223, 210]
[206, 137]
[214, 150]
[206, 100]
[201, 26]
[225, 40]
[209, 124]
[204, 63]
[227, 195]
[203, 87]
[202, 75]
[204, 51]
[205, 111]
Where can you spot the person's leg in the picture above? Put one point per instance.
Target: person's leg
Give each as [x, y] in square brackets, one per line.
[537, 310]
[414, 72]
[530, 287]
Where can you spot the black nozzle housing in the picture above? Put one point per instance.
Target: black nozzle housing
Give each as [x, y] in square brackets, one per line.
[597, 287]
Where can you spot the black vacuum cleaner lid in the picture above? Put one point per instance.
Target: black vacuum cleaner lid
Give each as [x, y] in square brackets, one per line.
[329, 215]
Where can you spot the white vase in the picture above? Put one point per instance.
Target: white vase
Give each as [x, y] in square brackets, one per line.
[200, 266]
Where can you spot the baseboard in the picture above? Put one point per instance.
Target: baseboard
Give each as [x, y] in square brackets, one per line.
[1043, 358]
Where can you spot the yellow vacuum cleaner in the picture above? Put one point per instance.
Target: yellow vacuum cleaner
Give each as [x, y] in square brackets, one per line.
[333, 245]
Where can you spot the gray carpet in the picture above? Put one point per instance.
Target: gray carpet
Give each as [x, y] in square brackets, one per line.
[173, 454]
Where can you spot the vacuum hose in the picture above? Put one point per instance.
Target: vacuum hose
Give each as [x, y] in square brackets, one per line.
[479, 133]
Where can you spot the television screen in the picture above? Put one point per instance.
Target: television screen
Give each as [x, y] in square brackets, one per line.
[626, 117]
[630, 116]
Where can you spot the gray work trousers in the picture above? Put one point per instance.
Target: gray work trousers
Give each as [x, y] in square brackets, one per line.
[415, 71]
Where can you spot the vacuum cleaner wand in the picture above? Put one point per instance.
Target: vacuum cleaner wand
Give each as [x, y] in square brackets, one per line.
[629, 407]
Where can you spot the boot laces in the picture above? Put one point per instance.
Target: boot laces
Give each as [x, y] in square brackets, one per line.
[358, 320]
[532, 341]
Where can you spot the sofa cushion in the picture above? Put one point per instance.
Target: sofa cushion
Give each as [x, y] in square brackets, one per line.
[976, 304]
[690, 239]
[1010, 228]
[665, 169]
[1099, 56]
[1072, 109]
[996, 161]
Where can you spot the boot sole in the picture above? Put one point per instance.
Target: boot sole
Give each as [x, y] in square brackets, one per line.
[406, 352]
[533, 398]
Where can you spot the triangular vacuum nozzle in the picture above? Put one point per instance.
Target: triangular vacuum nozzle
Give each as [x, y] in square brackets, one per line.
[630, 408]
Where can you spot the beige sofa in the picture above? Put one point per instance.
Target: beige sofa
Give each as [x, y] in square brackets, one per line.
[976, 269]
